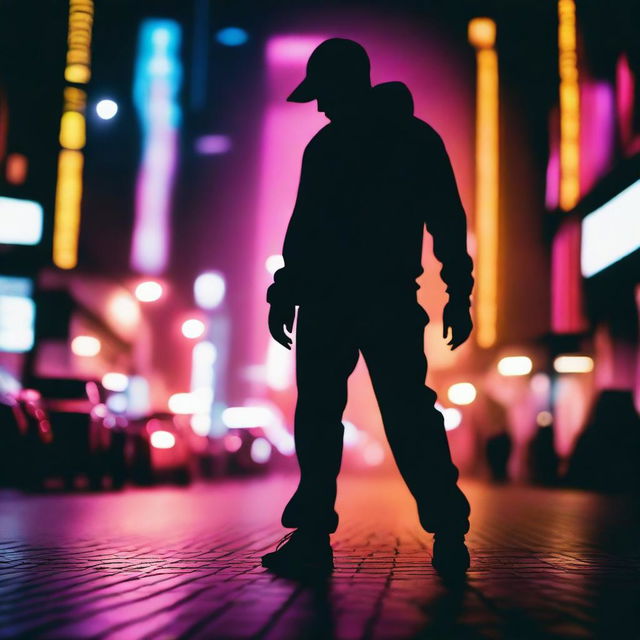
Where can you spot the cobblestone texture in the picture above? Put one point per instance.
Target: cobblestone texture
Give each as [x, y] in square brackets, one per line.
[171, 563]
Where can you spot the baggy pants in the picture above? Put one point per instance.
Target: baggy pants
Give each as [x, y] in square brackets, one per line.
[391, 339]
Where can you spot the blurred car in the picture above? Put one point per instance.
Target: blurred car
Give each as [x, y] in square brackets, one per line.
[13, 429]
[160, 450]
[84, 437]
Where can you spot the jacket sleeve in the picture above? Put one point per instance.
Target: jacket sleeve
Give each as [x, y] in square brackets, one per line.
[286, 287]
[447, 223]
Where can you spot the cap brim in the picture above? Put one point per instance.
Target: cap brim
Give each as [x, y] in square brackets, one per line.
[304, 92]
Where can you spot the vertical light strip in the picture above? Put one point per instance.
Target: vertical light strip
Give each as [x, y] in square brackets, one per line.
[157, 80]
[482, 35]
[569, 106]
[66, 226]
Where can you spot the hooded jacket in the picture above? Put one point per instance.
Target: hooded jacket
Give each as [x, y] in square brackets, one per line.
[368, 186]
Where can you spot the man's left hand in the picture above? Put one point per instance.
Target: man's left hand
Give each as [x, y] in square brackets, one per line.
[457, 317]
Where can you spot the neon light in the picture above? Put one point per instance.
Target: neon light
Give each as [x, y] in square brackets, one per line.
[203, 380]
[193, 328]
[209, 289]
[149, 291]
[78, 67]
[573, 364]
[114, 381]
[20, 221]
[86, 346]
[232, 36]
[213, 144]
[260, 450]
[566, 284]
[611, 232]
[515, 366]
[482, 33]
[247, 417]
[163, 440]
[17, 314]
[461, 393]
[72, 137]
[17, 168]
[67, 217]
[157, 81]
[569, 106]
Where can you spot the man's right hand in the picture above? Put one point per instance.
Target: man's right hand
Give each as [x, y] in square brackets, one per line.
[281, 316]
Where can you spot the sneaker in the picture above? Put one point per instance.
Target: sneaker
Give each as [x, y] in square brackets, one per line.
[450, 556]
[300, 554]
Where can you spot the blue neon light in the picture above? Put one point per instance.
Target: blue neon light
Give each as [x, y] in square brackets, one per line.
[232, 36]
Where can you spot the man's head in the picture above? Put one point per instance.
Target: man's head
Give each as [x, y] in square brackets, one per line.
[338, 76]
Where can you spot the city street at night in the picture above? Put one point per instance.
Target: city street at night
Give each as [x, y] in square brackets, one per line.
[253, 251]
[173, 563]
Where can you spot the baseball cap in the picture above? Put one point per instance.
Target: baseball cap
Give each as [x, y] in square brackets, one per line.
[337, 64]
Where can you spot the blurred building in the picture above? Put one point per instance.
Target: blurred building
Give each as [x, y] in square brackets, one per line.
[149, 162]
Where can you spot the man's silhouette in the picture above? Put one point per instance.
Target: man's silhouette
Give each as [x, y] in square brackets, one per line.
[370, 181]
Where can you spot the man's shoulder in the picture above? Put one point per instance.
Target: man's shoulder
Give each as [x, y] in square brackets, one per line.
[322, 140]
[425, 132]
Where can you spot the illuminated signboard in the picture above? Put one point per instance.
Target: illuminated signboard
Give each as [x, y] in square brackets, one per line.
[72, 136]
[157, 80]
[17, 314]
[78, 67]
[20, 221]
[482, 35]
[611, 232]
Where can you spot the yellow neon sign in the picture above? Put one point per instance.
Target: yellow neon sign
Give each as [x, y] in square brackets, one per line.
[569, 106]
[68, 203]
[482, 33]
[78, 67]
[68, 199]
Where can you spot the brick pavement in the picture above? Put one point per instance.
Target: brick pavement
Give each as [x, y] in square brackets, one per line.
[170, 563]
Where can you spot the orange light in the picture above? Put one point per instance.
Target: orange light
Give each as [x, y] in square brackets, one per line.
[17, 167]
[482, 35]
[78, 68]
[569, 106]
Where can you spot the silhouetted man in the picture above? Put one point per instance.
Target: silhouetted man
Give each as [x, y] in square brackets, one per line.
[370, 181]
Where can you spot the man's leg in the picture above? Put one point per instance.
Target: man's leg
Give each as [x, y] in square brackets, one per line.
[326, 355]
[392, 343]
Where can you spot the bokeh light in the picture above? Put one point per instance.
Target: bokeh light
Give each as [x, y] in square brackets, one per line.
[232, 36]
[106, 109]
[85, 346]
[193, 328]
[149, 291]
[209, 289]
[461, 393]
[162, 439]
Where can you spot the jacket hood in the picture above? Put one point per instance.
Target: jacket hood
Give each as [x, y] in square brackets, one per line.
[393, 99]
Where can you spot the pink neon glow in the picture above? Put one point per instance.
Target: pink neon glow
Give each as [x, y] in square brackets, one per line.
[625, 92]
[597, 131]
[443, 93]
[552, 191]
[294, 49]
[566, 281]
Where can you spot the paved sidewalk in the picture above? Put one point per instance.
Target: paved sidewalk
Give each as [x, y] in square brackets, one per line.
[171, 563]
